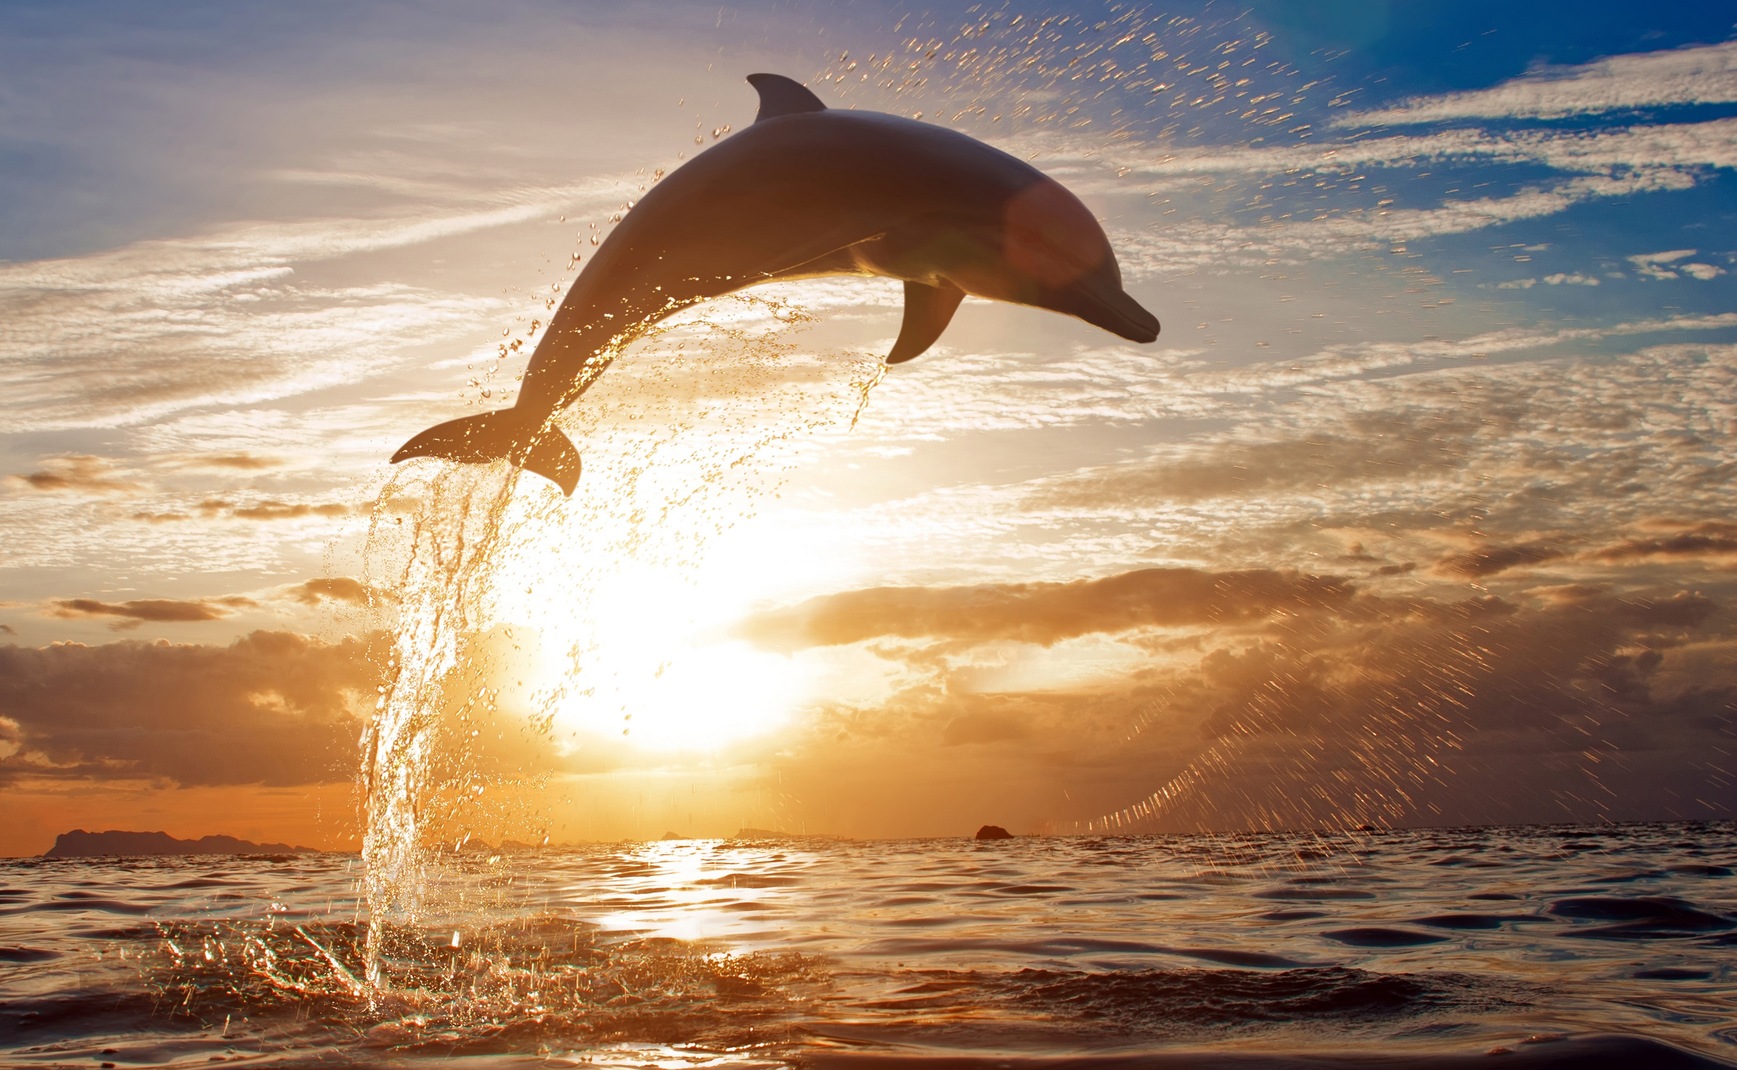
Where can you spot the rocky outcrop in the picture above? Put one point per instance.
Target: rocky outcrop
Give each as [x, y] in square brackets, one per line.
[993, 832]
[81, 844]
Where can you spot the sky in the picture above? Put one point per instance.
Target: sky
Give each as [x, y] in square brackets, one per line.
[1416, 513]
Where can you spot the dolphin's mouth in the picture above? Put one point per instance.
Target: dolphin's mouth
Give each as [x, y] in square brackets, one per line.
[1116, 312]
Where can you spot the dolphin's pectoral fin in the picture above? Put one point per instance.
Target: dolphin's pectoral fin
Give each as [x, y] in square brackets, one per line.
[928, 310]
[781, 96]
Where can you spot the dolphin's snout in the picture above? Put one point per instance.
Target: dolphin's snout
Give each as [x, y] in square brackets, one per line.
[1116, 312]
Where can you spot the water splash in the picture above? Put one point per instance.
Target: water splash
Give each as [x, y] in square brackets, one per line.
[682, 442]
[453, 533]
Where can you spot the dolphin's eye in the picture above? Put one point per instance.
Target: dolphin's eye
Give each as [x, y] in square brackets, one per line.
[1050, 236]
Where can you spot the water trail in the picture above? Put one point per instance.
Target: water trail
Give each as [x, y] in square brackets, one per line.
[453, 532]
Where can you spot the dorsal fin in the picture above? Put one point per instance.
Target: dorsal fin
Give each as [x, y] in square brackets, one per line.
[782, 96]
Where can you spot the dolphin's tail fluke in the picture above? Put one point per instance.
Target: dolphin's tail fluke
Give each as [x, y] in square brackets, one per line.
[501, 435]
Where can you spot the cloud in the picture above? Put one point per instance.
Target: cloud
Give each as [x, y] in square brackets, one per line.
[1663, 266]
[270, 509]
[336, 589]
[1593, 152]
[271, 708]
[1376, 446]
[1489, 560]
[1044, 613]
[1208, 244]
[1705, 74]
[1587, 166]
[1706, 539]
[1325, 705]
[1508, 437]
[78, 473]
[274, 510]
[246, 462]
[153, 610]
[108, 340]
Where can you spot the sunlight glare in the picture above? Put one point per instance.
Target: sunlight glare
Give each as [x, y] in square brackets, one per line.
[643, 650]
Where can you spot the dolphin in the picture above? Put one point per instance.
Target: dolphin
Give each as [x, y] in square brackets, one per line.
[807, 191]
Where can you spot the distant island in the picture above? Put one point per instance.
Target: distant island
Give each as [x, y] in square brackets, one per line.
[81, 844]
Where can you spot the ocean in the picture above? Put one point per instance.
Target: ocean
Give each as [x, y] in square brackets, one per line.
[1570, 946]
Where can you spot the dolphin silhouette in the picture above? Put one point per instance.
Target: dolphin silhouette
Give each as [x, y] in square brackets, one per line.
[807, 191]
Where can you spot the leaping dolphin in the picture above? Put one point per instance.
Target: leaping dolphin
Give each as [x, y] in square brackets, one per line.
[807, 191]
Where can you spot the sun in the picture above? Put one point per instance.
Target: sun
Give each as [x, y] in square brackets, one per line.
[639, 646]
[657, 664]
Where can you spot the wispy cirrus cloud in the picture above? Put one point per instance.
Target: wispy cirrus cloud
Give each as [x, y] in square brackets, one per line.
[1640, 146]
[1219, 246]
[1705, 74]
[108, 339]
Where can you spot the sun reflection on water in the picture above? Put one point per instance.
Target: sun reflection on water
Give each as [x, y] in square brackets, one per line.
[695, 891]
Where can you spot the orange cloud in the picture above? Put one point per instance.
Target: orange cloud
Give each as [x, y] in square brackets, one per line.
[1047, 613]
[246, 462]
[1317, 705]
[271, 708]
[1378, 446]
[76, 472]
[336, 589]
[271, 510]
[1711, 538]
[1489, 560]
[220, 509]
[155, 610]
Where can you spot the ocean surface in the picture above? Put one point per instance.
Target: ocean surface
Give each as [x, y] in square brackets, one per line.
[1520, 947]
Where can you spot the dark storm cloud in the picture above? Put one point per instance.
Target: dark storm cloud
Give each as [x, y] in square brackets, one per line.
[154, 610]
[76, 472]
[271, 708]
[1045, 613]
